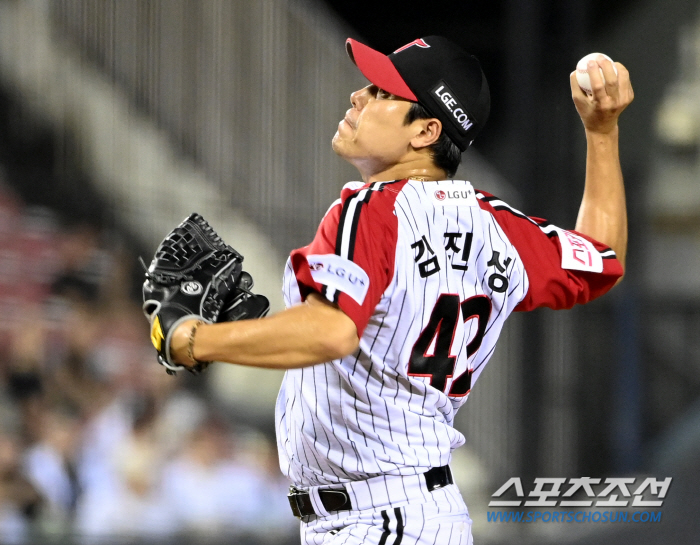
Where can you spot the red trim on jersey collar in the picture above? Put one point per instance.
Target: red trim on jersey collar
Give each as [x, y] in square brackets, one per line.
[378, 69]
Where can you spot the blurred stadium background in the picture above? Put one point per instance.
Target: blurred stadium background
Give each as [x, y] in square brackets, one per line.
[120, 117]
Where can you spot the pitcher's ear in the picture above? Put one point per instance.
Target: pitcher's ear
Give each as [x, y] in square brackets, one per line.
[430, 131]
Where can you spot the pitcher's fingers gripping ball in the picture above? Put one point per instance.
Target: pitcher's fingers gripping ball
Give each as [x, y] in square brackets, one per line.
[195, 275]
[611, 92]
[584, 80]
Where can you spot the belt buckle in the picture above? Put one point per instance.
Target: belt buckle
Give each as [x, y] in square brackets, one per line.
[293, 498]
[438, 477]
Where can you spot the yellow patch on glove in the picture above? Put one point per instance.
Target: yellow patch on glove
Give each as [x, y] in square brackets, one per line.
[157, 337]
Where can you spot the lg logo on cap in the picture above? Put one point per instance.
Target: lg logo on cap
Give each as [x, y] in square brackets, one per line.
[419, 42]
[445, 97]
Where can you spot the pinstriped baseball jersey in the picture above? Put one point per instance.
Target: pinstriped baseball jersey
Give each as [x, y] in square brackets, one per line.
[429, 272]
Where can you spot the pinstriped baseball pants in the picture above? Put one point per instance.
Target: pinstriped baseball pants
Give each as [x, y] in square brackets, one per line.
[442, 521]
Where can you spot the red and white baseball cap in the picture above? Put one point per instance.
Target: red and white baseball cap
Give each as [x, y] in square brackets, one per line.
[441, 76]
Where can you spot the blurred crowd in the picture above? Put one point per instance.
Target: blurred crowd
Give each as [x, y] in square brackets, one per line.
[96, 441]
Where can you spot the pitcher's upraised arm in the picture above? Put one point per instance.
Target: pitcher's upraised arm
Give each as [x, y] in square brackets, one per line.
[603, 212]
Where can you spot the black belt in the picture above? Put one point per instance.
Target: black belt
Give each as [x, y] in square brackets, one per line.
[338, 499]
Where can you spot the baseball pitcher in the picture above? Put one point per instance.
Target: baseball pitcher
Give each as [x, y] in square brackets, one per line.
[395, 307]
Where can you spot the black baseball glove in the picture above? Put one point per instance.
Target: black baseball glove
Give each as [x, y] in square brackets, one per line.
[195, 275]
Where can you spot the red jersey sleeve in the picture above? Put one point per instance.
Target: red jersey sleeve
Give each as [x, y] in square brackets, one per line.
[563, 267]
[351, 259]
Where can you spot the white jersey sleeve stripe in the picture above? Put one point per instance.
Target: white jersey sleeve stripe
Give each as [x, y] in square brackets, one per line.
[348, 219]
[547, 228]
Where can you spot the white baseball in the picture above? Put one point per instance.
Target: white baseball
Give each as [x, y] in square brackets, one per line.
[584, 80]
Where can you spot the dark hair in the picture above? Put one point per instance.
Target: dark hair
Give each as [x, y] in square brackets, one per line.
[445, 154]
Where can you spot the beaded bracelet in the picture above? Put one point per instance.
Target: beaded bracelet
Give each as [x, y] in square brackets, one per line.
[190, 344]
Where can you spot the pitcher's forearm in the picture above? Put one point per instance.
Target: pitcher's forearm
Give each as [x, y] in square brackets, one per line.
[603, 211]
[307, 334]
